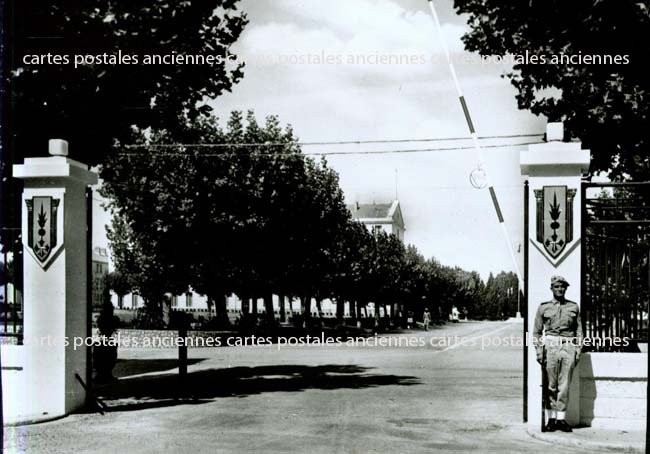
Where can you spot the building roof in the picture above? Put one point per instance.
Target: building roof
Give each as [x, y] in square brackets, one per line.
[377, 213]
[369, 210]
[100, 255]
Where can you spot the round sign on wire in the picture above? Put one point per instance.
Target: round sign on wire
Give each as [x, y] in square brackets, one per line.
[478, 178]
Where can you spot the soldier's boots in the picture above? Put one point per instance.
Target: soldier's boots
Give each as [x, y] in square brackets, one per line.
[562, 425]
[551, 425]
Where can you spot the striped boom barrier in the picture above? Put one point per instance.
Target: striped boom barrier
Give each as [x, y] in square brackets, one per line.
[475, 141]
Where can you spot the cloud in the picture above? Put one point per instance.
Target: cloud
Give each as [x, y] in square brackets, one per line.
[378, 24]
[364, 39]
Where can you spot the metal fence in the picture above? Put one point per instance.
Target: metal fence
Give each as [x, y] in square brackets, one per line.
[11, 301]
[616, 264]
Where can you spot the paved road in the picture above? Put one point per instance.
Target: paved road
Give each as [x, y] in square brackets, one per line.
[440, 397]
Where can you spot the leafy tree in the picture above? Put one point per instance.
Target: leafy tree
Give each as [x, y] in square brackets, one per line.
[470, 296]
[95, 105]
[354, 259]
[500, 299]
[440, 290]
[413, 281]
[153, 193]
[604, 105]
[320, 224]
[139, 257]
[389, 275]
[246, 211]
[365, 271]
[251, 215]
[119, 283]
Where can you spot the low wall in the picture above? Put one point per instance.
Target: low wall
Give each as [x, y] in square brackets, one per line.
[150, 338]
[13, 383]
[19, 405]
[613, 390]
[28, 396]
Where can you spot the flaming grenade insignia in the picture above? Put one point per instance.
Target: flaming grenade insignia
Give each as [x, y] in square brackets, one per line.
[41, 229]
[555, 218]
[554, 243]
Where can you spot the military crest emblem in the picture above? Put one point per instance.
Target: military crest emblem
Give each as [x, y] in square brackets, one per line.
[42, 228]
[554, 218]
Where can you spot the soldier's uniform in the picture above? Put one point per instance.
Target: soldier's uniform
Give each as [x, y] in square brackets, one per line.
[559, 322]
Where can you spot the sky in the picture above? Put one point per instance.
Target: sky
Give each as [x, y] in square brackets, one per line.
[387, 79]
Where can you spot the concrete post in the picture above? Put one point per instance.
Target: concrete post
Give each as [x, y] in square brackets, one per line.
[554, 170]
[55, 279]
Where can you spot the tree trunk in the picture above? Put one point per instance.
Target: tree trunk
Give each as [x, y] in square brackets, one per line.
[319, 308]
[282, 309]
[221, 309]
[166, 309]
[254, 306]
[245, 305]
[358, 304]
[305, 306]
[309, 304]
[268, 307]
[340, 309]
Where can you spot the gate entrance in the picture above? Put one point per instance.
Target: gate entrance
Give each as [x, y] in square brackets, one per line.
[616, 263]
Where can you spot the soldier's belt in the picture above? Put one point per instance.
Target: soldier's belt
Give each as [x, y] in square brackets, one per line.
[560, 340]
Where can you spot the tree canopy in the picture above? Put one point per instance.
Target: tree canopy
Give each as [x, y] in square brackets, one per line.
[247, 213]
[242, 210]
[95, 105]
[603, 105]
[92, 105]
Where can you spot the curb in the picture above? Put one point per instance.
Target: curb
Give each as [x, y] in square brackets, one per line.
[30, 420]
[571, 440]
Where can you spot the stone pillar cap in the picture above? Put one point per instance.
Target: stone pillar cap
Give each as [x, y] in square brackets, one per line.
[55, 167]
[57, 147]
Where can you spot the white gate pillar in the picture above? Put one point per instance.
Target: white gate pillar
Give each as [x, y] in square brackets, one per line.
[554, 171]
[55, 279]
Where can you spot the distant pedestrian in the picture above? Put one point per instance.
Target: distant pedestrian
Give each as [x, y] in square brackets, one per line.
[426, 319]
[559, 322]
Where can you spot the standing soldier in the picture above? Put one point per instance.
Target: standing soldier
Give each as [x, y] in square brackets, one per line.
[426, 319]
[559, 321]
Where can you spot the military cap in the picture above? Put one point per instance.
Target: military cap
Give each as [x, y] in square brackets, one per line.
[559, 279]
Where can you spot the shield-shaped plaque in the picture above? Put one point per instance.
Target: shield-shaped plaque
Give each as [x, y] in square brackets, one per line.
[555, 218]
[42, 227]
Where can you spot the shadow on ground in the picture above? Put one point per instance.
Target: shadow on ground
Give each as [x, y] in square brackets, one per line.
[126, 367]
[202, 386]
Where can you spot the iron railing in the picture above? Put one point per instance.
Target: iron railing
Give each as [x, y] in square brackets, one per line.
[11, 302]
[616, 264]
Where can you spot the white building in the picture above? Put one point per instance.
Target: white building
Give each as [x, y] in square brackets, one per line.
[377, 217]
[99, 272]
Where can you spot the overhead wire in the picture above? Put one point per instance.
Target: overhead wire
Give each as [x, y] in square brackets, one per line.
[316, 153]
[322, 143]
